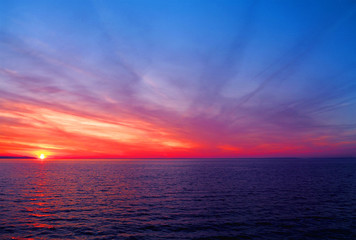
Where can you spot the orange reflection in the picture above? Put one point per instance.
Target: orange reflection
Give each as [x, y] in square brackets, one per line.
[40, 215]
[40, 198]
[19, 238]
[42, 225]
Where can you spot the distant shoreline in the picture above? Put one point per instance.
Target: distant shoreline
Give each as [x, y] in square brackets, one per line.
[16, 157]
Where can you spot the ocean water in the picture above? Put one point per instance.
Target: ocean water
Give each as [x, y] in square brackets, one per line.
[178, 199]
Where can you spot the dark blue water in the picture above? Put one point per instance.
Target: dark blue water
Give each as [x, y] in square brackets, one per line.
[179, 199]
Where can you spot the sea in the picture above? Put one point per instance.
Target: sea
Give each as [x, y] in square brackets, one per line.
[178, 199]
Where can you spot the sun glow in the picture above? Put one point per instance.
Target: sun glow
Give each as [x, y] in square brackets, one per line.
[41, 154]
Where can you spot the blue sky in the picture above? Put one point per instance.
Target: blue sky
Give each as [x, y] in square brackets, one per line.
[184, 78]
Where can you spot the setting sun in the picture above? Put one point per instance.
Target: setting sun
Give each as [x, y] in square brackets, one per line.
[41, 154]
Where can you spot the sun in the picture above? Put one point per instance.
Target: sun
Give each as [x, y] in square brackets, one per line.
[41, 154]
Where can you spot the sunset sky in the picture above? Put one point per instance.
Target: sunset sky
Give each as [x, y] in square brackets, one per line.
[183, 78]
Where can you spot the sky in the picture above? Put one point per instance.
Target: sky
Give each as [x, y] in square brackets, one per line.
[178, 78]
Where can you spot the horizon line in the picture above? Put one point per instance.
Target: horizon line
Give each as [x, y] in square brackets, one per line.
[78, 158]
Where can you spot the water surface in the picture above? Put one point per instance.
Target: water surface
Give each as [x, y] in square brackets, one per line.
[178, 199]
